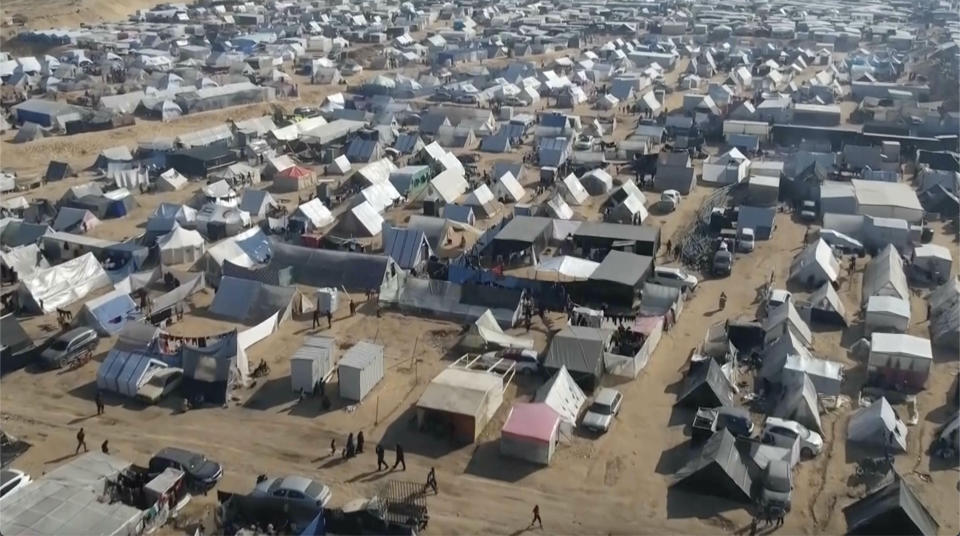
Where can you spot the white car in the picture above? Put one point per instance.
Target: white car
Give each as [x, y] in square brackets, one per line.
[777, 297]
[783, 432]
[606, 406]
[526, 361]
[12, 481]
[294, 489]
[669, 276]
[669, 200]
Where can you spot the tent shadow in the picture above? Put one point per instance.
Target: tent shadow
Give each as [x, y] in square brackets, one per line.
[682, 504]
[403, 430]
[273, 393]
[673, 458]
[88, 392]
[487, 462]
[682, 416]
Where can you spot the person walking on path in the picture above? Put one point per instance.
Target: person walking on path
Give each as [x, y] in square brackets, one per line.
[329, 319]
[360, 442]
[349, 450]
[99, 401]
[316, 318]
[333, 446]
[81, 436]
[723, 300]
[431, 481]
[669, 247]
[104, 447]
[399, 460]
[536, 516]
[353, 308]
[380, 461]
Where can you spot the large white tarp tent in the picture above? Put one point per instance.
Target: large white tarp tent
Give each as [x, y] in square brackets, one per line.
[567, 266]
[573, 190]
[246, 249]
[815, 264]
[486, 333]
[24, 260]
[887, 200]
[362, 220]
[180, 245]
[62, 285]
[879, 426]
[885, 276]
[531, 432]
[508, 189]
[888, 314]
[562, 394]
[313, 214]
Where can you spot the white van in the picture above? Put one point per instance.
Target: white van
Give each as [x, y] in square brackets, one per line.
[746, 240]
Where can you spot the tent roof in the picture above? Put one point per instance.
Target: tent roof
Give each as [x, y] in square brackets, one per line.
[885, 274]
[249, 301]
[180, 238]
[532, 420]
[874, 425]
[878, 512]
[579, 348]
[404, 245]
[568, 266]
[562, 394]
[460, 391]
[621, 267]
[900, 344]
[315, 211]
[731, 481]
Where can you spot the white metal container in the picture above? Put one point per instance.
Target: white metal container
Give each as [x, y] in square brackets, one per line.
[360, 370]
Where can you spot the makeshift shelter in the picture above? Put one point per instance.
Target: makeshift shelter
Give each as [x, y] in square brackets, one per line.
[815, 265]
[29, 132]
[580, 349]
[931, 263]
[217, 221]
[294, 179]
[311, 363]
[885, 276]
[460, 402]
[531, 432]
[785, 317]
[826, 376]
[508, 189]
[57, 171]
[109, 313]
[74, 220]
[340, 166]
[597, 182]
[362, 221]
[826, 306]
[325, 268]
[460, 213]
[887, 314]
[705, 386]
[250, 302]
[210, 372]
[878, 425]
[899, 360]
[717, 470]
[124, 372]
[256, 202]
[798, 401]
[760, 219]
[891, 509]
[221, 193]
[360, 370]
[944, 304]
[180, 246]
[168, 215]
[22, 261]
[486, 334]
[562, 394]
[59, 286]
[567, 267]
[573, 190]
[408, 247]
[618, 278]
[312, 215]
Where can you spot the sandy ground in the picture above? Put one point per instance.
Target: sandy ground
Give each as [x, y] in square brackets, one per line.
[615, 484]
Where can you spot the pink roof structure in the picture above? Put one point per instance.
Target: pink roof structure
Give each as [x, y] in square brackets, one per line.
[534, 421]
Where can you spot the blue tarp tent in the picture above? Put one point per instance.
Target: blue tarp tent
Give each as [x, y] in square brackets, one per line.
[110, 312]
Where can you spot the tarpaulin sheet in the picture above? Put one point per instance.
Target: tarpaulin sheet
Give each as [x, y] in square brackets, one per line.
[63, 284]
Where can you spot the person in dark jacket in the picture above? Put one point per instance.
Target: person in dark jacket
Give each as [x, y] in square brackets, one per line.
[399, 460]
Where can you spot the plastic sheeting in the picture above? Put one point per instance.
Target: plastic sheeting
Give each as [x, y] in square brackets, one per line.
[63, 284]
[109, 313]
[123, 372]
[247, 301]
[562, 394]
[24, 260]
[486, 333]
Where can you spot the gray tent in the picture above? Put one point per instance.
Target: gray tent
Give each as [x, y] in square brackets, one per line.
[798, 401]
[891, 509]
[251, 302]
[28, 132]
[210, 372]
[328, 268]
[581, 350]
[716, 470]
[760, 219]
[879, 426]
[705, 386]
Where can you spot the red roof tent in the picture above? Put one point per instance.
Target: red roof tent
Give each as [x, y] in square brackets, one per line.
[532, 420]
[295, 172]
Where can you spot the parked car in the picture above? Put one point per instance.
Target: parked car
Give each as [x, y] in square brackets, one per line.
[746, 239]
[777, 486]
[68, 346]
[159, 384]
[525, 361]
[350, 68]
[466, 99]
[669, 200]
[606, 406]
[584, 143]
[670, 276]
[513, 100]
[201, 473]
[12, 481]
[783, 433]
[294, 489]
[736, 420]
[722, 262]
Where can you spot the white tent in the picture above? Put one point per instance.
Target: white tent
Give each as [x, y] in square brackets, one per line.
[885, 276]
[878, 425]
[888, 314]
[509, 189]
[482, 198]
[63, 284]
[486, 333]
[559, 208]
[574, 192]
[314, 214]
[447, 186]
[339, 166]
[572, 267]
[815, 264]
[180, 245]
[221, 193]
[597, 182]
[363, 220]
[562, 394]
[171, 180]
[380, 195]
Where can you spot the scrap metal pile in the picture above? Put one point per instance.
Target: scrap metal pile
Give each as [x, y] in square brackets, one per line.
[697, 241]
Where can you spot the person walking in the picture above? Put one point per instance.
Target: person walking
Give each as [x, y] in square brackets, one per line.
[333, 446]
[431, 481]
[380, 455]
[316, 318]
[723, 300]
[353, 308]
[399, 460]
[81, 442]
[360, 442]
[536, 516]
[98, 399]
[780, 513]
[329, 319]
[349, 450]
[104, 447]
[669, 247]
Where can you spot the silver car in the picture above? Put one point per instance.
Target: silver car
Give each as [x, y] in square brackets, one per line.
[68, 346]
[296, 489]
[606, 406]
